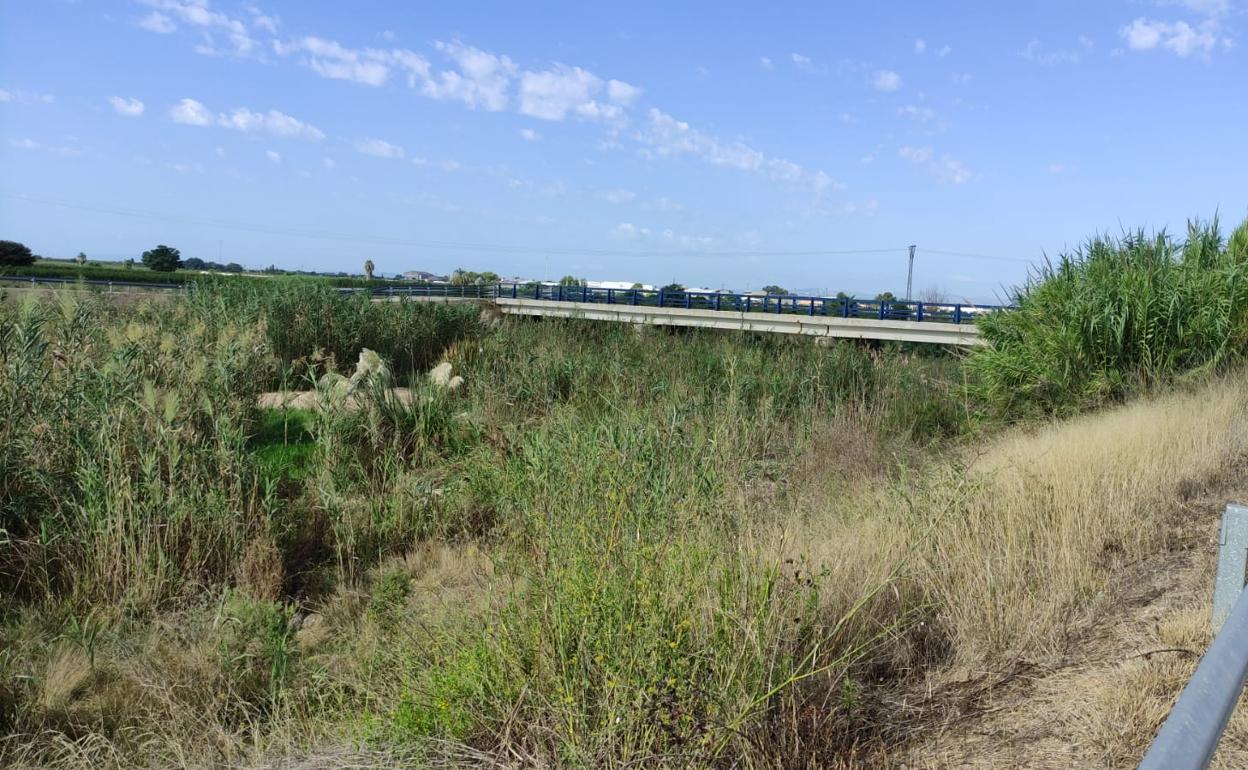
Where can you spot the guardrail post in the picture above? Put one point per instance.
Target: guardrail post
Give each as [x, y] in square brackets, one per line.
[662, 297]
[883, 307]
[957, 314]
[1232, 563]
[919, 312]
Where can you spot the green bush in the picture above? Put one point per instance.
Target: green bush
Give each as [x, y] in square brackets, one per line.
[1115, 316]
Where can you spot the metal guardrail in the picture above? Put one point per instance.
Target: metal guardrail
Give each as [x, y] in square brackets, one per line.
[786, 304]
[780, 304]
[35, 280]
[1189, 738]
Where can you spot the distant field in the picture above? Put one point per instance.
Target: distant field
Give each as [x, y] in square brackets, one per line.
[115, 271]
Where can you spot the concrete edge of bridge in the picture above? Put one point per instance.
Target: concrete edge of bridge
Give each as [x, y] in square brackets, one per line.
[815, 326]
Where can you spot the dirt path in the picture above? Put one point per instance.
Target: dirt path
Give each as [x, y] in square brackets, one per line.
[1101, 706]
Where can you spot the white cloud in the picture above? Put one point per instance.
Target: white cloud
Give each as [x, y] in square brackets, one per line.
[26, 97]
[379, 148]
[670, 137]
[529, 135]
[368, 66]
[199, 13]
[158, 22]
[802, 62]
[271, 122]
[220, 151]
[1180, 38]
[551, 94]
[1035, 52]
[960, 78]
[274, 157]
[31, 144]
[917, 113]
[186, 168]
[886, 80]
[944, 51]
[916, 154]
[482, 79]
[131, 108]
[663, 204]
[191, 113]
[621, 93]
[920, 46]
[946, 168]
[618, 196]
[766, 63]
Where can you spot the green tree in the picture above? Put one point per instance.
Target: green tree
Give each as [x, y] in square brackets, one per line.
[489, 276]
[571, 280]
[162, 259]
[638, 286]
[673, 286]
[886, 296]
[842, 295]
[129, 263]
[14, 254]
[81, 259]
[774, 289]
[368, 268]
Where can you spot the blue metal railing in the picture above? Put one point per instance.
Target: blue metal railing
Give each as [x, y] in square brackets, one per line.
[787, 304]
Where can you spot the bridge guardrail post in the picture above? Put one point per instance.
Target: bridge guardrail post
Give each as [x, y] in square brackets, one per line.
[957, 314]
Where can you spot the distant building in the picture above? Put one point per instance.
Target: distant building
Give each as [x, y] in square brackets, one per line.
[421, 275]
[618, 285]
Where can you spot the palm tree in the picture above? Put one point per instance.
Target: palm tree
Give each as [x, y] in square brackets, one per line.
[368, 268]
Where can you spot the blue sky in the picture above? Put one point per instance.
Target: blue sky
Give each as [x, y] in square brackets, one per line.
[716, 144]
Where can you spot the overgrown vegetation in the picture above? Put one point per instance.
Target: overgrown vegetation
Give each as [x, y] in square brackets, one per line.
[1116, 317]
[612, 545]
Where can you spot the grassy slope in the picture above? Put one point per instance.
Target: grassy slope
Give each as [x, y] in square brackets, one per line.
[612, 546]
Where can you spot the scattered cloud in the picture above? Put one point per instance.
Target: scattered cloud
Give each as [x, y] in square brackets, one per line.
[199, 14]
[25, 97]
[481, 79]
[1179, 37]
[555, 93]
[766, 63]
[944, 51]
[960, 78]
[379, 148]
[802, 62]
[629, 231]
[32, 145]
[220, 151]
[159, 23]
[190, 113]
[886, 80]
[667, 136]
[917, 113]
[131, 108]
[273, 156]
[1036, 52]
[945, 168]
[367, 66]
[271, 122]
[920, 46]
[618, 196]
[663, 204]
[186, 168]
[529, 135]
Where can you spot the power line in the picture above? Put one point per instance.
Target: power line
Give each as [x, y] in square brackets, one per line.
[976, 256]
[448, 245]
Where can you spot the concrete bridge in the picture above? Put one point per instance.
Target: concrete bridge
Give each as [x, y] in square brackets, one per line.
[830, 317]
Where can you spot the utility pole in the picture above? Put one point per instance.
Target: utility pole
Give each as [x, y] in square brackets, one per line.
[910, 273]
